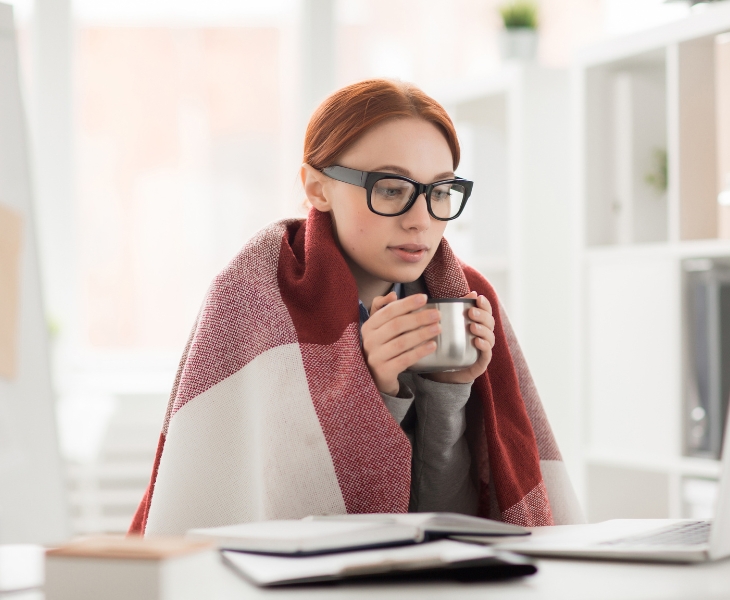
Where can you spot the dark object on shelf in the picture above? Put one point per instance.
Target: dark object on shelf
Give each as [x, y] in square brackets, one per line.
[708, 379]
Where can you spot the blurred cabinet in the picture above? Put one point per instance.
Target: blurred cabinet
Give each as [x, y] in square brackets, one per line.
[515, 133]
[646, 173]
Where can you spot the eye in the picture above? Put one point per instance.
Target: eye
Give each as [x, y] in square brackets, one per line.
[392, 189]
[441, 193]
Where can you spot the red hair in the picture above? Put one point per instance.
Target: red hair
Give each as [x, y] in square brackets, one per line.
[350, 112]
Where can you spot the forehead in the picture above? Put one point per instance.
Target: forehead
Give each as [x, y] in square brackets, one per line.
[410, 143]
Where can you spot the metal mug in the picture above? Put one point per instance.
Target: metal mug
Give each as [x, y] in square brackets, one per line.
[455, 344]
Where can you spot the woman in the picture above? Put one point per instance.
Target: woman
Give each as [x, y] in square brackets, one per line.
[292, 396]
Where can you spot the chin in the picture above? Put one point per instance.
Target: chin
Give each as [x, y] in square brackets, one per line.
[405, 275]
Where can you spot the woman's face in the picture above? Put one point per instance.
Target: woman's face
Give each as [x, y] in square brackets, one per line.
[391, 249]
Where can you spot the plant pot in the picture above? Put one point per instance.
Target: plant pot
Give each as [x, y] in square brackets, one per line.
[518, 43]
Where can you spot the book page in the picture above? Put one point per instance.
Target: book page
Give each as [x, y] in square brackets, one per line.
[11, 225]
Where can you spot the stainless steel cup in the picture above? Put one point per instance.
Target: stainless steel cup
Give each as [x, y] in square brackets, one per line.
[455, 344]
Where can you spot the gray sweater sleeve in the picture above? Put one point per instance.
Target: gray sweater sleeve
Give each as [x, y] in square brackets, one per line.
[398, 405]
[440, 479]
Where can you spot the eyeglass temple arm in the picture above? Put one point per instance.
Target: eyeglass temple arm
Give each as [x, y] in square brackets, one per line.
[346, 175]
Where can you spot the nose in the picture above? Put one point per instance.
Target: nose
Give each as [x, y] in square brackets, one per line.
[417, 216]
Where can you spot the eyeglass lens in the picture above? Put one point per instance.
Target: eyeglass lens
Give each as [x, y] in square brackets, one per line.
[390, 196]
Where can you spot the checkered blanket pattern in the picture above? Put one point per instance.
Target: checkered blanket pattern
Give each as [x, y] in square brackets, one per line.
[273, 376]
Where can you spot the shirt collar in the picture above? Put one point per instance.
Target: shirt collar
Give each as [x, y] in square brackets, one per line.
[399, 290]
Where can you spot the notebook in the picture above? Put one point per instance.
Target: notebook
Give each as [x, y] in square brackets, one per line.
[434, 560]
[323, 534]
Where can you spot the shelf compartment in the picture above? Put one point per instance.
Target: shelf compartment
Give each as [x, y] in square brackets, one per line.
[692, 117]
[482, 127]
[633, 356]
[626, 151]
[707, 354]
[722, 105]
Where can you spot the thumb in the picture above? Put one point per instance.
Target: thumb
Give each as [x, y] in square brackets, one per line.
[381, 301]
[472, 295]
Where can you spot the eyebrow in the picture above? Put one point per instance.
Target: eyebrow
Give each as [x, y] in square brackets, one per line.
[406, 173]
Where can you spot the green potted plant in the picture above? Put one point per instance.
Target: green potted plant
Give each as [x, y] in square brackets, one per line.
[518, 40]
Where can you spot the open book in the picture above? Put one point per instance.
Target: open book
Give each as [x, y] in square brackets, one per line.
[319, 535]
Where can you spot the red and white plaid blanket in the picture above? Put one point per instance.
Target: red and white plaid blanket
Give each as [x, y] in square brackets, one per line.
[274, 413]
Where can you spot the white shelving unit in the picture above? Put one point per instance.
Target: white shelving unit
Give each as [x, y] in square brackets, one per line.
[514, 130]
[639, 99]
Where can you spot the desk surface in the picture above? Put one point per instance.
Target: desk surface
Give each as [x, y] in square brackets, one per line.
[556, 580]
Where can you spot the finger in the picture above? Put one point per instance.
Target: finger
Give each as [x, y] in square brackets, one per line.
[406, 323]
[410, 358]
[397, 308]
[482, 317]
[482, 332]
[484, 304]
[407, 341]
[375, 338]
[485, 354]
[471, 295]
[485, 348]
[381, 301]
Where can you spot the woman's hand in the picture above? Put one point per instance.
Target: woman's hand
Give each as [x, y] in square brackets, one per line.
[483, 330]
[395, 337]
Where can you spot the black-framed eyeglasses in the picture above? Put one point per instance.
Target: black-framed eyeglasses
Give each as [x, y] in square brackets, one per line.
[391, 195]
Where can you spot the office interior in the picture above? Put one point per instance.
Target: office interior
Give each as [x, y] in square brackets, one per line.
[163, 135]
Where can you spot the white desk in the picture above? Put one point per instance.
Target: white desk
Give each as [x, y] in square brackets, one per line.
[556, 580]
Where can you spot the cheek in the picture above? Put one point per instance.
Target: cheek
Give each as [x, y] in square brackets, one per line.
[367, 234]
[437, 231]
[355, 222]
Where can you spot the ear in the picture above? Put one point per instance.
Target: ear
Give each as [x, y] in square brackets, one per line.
[314, 184]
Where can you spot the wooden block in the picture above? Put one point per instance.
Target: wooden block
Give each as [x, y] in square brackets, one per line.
[117, 568]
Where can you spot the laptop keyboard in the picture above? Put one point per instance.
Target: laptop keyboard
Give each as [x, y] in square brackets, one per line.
[683, 534]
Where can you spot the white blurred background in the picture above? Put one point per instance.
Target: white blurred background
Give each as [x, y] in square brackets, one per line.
[166, 134]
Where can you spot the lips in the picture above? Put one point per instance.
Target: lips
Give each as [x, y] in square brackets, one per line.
[410, 253]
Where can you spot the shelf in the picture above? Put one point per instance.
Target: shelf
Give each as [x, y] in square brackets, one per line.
[625, 146]
[678, 250]
[716, 19]
[650, 162]
[682, 466]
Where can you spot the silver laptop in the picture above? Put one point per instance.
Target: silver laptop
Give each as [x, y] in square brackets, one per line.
[665, 540]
